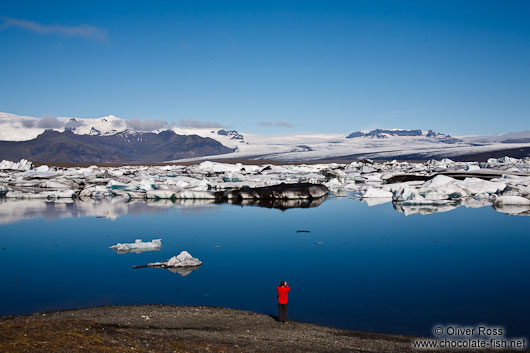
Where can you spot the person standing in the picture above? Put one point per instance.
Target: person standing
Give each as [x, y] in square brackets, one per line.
[282, 289]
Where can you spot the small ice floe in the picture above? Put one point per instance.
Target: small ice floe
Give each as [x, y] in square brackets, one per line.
[512, 200]
[138, 246]
[182, 264]
[377, 193]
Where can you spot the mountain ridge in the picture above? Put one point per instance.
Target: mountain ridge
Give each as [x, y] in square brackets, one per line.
[123, 147]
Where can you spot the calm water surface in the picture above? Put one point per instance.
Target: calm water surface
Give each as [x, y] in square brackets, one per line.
[376, 269]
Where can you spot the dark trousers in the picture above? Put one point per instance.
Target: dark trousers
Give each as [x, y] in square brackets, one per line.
[282, 312]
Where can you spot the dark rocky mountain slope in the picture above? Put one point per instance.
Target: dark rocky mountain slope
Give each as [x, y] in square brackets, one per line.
[123, 147]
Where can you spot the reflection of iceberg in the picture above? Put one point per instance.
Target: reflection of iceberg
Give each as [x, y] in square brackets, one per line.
[476, 203]
[520, 210]
[12, 210]
[408, 210]
[138, 246]
[183, 271]
[182, 264]
[374, 201]
[281, 204]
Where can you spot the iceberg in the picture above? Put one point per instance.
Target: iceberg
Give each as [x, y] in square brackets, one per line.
[377, 193]
[184, 259]
[511, 200]
[138, 246]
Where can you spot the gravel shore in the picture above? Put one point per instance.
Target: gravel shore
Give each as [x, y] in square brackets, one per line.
[162, 328]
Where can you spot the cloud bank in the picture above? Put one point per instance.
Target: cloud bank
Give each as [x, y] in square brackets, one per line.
[147, 125]
[80, 31]
[48, 122]
[275, 124]
[199, 124]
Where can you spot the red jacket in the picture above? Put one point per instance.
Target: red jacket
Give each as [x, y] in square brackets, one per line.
[282, 294]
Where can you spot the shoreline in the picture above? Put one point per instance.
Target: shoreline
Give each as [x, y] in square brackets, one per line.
[166, 328]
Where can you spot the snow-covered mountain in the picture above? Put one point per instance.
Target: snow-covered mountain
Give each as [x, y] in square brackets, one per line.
[376, 144]
[388, 133]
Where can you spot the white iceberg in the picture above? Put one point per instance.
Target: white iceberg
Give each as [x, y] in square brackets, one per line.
[511, 200]
[184, 259]
[377, 193]
[138, 246]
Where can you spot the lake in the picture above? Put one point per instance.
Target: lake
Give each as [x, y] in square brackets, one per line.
[359, 267]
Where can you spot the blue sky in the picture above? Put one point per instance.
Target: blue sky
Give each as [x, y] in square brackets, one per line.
[461, 67]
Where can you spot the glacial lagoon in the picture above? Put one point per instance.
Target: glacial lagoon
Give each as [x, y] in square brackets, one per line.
[361, 267]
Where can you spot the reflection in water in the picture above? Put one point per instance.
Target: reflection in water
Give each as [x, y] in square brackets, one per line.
[408, 210]
[281, 204]
[14, 210]
[374, 201]
[183, 271]
[518, 210]
[17, 210]
[426, 209]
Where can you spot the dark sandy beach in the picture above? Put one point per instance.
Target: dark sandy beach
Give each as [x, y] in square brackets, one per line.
[158, 328]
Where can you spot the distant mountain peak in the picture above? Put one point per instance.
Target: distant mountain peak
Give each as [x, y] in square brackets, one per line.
[232, 134]
[387, 133]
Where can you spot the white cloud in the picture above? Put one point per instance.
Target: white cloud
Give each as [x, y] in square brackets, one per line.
[199, 124]
[81, 31]
[276, 123]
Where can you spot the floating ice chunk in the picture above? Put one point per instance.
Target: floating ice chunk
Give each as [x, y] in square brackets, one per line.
[23, 165]
[219, 167]
[443, 192]
[406, 193]
[138, 246]
[477, 186]
[507, 159]
[51, 184]
[519, 190]
[147, 185]
[67, 194]
[194, 195]
[472, 167]
[115, 185]
[334, 184]
[42, 169]
[96, 192]
[374, 177]
[511, 200]
[439, 180]
[377, 193]
[184, 259]
[201, 186]
[160, 194]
